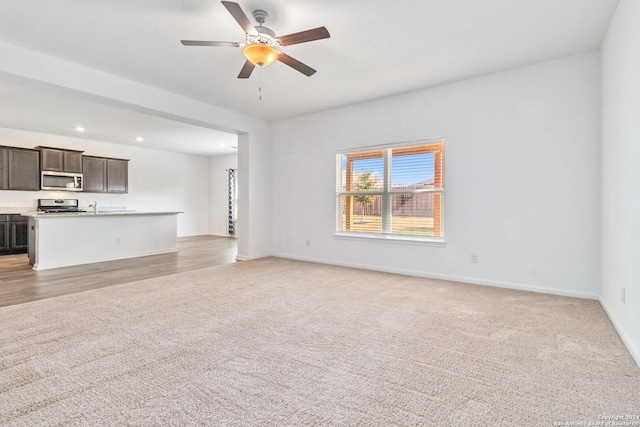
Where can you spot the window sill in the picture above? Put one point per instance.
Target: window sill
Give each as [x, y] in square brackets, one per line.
[410, 240]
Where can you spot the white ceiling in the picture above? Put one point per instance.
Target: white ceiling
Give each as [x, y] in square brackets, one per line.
[40, 110]
[377, 48]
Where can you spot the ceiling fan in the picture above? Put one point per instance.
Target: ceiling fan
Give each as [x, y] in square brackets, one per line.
[262, 42]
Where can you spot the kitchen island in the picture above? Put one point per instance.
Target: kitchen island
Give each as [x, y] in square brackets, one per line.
[65, 239]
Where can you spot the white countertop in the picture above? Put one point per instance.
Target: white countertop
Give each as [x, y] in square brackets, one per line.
[91, 214]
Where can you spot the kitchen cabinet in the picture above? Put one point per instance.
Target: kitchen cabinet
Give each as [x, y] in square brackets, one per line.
[105, 175]
[4, 168]
[19, 233]
[117, 176]
[19, 169]
[4, 234]
[94, 173]
[57, 160]
[73, 161]
[14, 234]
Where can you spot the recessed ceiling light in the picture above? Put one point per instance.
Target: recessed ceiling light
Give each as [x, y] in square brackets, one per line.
[139, 139]
[221, 145]
[79, 129]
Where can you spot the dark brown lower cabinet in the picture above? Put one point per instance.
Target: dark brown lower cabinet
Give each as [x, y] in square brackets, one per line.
[14, 234]
[4, 236]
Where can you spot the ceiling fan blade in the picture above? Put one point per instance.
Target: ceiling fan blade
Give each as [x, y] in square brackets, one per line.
[247, 68]
[240, 17]
[206, 43]
[304, 36]
[295, 64]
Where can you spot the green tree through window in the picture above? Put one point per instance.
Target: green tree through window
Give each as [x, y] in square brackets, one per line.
[365, 183]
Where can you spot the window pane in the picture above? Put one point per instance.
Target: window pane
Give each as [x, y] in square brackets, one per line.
[415, 214]
[401, 209]
[362, 171]
[362, 214]
[341, 170]
[412, 171]
[368, 174]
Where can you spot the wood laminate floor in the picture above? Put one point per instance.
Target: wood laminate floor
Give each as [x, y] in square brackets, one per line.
[19, 283]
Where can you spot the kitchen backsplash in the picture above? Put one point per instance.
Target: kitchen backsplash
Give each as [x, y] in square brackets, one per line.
[4, 210]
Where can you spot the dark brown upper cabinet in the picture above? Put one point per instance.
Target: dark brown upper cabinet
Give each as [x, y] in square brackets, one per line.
[57, 160]
[94, 174]
[4, 168]
[117, 176]
[104, 175]
[19, 169]
[73, 161]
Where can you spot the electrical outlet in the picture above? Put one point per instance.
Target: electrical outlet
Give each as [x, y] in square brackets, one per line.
[474, 258]
[623, 296]
[117, 240]
[308, 242]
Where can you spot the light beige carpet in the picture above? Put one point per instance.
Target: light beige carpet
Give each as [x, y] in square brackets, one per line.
[280, 342]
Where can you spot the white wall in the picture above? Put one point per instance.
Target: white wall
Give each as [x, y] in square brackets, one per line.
[521, 176]
[621, 173]
[218, 192]
[158, 180]
[255, 201]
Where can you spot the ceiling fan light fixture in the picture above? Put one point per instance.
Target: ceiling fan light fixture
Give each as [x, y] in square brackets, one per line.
[260, 54]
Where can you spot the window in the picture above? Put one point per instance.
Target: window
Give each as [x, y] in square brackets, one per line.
[391, 192]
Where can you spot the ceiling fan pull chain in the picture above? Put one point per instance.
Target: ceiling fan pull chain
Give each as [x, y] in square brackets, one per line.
[260, 83]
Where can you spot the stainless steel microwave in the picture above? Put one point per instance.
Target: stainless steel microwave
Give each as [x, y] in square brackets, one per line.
[61, 181]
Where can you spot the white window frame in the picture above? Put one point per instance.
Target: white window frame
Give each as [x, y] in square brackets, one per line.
[386, 235]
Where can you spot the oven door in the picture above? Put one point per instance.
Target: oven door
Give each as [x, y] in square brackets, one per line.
[61, 181]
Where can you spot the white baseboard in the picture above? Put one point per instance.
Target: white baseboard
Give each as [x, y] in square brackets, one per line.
[249, 258]
[472, 280]
[223, 235]
[635, 353]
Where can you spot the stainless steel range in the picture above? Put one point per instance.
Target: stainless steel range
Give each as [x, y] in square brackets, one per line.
[59, 205]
